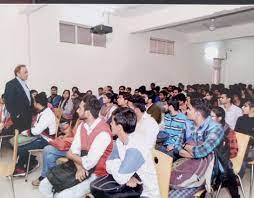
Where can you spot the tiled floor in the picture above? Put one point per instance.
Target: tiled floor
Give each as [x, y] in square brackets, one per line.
[26, 190]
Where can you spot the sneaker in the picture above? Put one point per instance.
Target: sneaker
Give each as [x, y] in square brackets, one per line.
[37, 181]
[19, 172]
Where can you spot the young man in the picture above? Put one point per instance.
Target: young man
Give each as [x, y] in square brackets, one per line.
[232, 112]
[206, 136]
[122, 99]
[130, 156]
[152, 108]
[162, 102]
[93, 136]
[43, 128]
[54, 99]
[147, 128]
[174, 124]
[100, 94]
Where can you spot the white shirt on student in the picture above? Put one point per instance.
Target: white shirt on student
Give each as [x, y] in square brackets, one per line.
[232, 114]
[45, 120]
[97, 148]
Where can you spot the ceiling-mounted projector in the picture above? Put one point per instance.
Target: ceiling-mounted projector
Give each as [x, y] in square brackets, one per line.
[101, 29]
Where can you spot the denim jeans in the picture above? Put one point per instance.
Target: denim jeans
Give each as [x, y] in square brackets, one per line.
[50, 155]
[23, 153]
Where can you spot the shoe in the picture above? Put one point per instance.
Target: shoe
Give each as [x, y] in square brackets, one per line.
[37, 181]
[19, 172]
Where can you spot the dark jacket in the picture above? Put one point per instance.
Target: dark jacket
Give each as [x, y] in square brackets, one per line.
[18, 105]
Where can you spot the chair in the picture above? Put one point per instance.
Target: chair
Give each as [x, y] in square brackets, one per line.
[237, 161]
[58, 114]
[163, 166]
[7, 170]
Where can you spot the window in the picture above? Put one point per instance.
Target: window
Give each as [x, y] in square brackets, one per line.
[99, 40]
[161, 46]
[84, 35]
[80, 34]
[67, 33]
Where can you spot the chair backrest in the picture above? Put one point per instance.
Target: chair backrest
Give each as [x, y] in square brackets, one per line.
[242, 141]
[163, 166]
[58, 113]
[15, 151]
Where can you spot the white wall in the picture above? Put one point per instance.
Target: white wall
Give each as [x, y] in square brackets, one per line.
[126, 60]
[13, 42]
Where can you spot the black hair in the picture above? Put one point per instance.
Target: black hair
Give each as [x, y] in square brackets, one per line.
[62, 99]
[138, 102]
[125, 117]
[151, 95]
[41, 98]
[219, 112]
[177, 88]
[250, 102]
[201, 105]
[174, 103]
[228, 94]
[110, 96]
[180, 97]
[125, 95]
[128, 88]
[100, 88]
[54, 87]
[163, 92]
[75, 88]
[158, 88]
[122, 86]
[92, 104]
[33, 91]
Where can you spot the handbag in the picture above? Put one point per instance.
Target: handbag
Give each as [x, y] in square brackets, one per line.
[63, 176]
[107, 187]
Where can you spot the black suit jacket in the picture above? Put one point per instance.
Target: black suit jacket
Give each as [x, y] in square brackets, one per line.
[18, 104]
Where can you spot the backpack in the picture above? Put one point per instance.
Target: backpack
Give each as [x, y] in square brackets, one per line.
[189, 173]
[107, 187]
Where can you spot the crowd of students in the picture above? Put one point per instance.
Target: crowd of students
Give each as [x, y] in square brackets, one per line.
[114, 133]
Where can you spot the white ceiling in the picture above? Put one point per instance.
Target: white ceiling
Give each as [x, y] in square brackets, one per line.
[243, 16]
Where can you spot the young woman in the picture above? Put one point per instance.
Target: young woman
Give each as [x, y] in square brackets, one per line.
[108, 107]
[228, 179]
[66, 105]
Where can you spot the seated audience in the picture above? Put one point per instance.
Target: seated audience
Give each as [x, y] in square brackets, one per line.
[162, 102]
[151, 107]
[54, 99]
[43, 129]
[232, 112]
[66, 105]
[100, 94]
[121, 89]
[128, 90]
[89, 151]
[182, 102]
[129, 156]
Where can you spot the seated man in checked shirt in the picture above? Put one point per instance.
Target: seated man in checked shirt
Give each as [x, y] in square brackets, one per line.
[207, 135]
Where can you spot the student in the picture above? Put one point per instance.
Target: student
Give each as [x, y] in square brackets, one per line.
[93, 136]
[206, 136]
[232, 112]
[122, 99]
[163, 96]
[228, 178]
[54, 99]
[129, 156]
[43, 128]
[152, 108]
[147, 128]
[174, 124]
[67, 106]
[108, 107]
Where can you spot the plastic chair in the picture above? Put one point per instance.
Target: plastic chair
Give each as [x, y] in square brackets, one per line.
[163, 166]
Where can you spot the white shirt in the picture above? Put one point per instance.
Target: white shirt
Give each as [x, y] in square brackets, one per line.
[147, 130]
[232, 114]
[126, 160]
[45, 119]
[97, 148]
[25, 87]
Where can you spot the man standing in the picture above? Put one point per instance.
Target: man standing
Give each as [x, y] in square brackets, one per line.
[19, 102]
